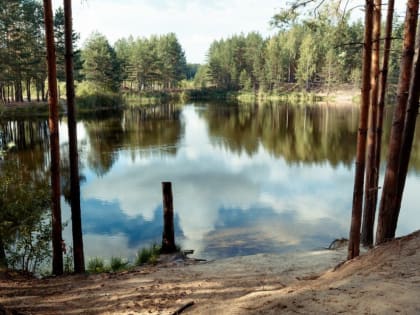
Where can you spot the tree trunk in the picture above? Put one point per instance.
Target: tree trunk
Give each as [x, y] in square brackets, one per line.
[409, 129]
[78, 253]
[354, 239]
[43, 97]
[168, 237]
[388, 205]
[382, 96]
[54, 141]
[3, 260]
[28, 90]
[37, 92]
[370, 202]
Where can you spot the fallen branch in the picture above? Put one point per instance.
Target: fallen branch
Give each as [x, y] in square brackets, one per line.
[183, 308]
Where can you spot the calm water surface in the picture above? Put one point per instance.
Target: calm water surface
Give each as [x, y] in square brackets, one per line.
[246, 180]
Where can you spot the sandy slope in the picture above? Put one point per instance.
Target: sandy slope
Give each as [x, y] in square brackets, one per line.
[386, 280]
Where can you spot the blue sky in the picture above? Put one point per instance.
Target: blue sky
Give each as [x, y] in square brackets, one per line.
[196, 22]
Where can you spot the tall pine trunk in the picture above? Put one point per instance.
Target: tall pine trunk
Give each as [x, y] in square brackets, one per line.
[79, 260]
[409, 129]
[54, 141]
[388, 205]
[354, 240]
[382, 96]
[370, 202]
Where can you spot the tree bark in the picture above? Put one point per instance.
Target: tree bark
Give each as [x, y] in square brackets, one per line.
[43, 97]
[382, 96]
[168, 237]
[54, 140]
[388, 206]
[78, 252]
[370, 202]
[409, 129]
[28, 90]
[3, 260]
[354, 239]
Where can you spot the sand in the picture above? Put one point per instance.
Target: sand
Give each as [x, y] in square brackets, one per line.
[385, 280]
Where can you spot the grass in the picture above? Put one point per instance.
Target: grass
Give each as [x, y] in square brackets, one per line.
[118, 264]
[97, 265]
[24, 109]
[145, 255]
[148, 255]
[90, 96]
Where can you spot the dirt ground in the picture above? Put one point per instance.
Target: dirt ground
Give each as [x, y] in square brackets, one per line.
[386, 280]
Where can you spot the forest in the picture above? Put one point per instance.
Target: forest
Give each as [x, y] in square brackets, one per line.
[318, 49]
[307, 54]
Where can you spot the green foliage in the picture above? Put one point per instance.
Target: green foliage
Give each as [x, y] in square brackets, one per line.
[31, 249]
[118, 264]
[97, 265]
[153, 63]
[191, 70]
[100, 64]
[68, 261]
[90, 96]
[60, 47]
[24, 222]
[306, 67]
[228, 59]
[315, 51]
[148, 255]
[23, 70]
[201, 78]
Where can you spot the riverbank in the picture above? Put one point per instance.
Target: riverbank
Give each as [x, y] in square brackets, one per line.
[341, 96]
[384, 280]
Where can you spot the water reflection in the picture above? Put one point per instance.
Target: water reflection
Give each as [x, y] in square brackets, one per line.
[296, 134]
[130, 130]
[246, 179]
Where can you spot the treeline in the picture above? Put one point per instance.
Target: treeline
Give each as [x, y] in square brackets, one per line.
[23, 69]
[22, 49]
[139, 64]
[314, 53]
[152, 63]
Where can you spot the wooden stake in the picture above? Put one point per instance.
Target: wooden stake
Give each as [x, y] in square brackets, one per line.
[168, 237]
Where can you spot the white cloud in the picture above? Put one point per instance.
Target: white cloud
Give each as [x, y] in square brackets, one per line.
[196, 22]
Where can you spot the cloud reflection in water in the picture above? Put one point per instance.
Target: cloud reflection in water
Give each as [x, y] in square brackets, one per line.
[227, 203]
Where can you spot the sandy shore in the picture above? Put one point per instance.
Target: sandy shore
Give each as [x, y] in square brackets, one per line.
[386, 280]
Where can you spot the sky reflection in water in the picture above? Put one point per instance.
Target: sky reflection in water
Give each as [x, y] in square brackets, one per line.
[227, 202]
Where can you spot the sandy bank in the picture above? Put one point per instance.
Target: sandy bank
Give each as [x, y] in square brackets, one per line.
[385, 280]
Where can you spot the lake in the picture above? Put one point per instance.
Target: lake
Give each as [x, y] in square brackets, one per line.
[246, 179]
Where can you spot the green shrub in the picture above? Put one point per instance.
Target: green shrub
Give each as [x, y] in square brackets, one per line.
[68, 261]
[90, 96]
[148, 255]
[97, 265]
[118, 264]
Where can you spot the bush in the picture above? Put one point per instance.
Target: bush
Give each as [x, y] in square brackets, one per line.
[97, 265]
[90, 96]
[118, 264]
[148, 255]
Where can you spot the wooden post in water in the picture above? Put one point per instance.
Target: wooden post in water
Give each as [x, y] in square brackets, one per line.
[168, 237]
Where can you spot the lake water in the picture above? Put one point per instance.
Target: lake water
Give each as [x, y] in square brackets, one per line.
[246, 179]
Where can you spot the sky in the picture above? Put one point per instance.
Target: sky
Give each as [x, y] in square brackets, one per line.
[195, 22]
